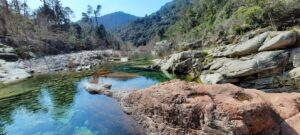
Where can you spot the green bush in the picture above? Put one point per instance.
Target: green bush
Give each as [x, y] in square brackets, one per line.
[250, 15]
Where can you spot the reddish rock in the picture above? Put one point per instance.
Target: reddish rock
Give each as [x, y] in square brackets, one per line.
[180, 108]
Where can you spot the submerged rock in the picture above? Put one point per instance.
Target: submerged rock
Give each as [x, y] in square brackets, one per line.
[98, 88]
[181, 108]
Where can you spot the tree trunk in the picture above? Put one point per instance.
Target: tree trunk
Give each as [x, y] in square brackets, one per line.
[4, 3]
[96, 18]
[17, 6]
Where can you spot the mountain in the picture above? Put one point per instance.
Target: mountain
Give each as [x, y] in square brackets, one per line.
[142, 30]
[117, 19]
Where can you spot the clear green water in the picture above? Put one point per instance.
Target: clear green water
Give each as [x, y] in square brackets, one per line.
[61, 106]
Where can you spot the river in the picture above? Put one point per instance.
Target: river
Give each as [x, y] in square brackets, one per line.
[59, 105]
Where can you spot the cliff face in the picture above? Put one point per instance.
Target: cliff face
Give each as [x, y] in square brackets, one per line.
[178, 107]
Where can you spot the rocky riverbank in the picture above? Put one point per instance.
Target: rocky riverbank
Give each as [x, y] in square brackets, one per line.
[269, 60]
[71, 62]
[13, 68]
[179, 108]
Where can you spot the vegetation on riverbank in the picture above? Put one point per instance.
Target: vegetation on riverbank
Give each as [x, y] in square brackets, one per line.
[49, 30]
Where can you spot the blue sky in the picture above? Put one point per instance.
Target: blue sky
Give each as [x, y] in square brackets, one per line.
[134, 7]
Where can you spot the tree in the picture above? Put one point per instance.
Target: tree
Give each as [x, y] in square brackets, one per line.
[97, 14]
[16, 6]
[4, 4]
[25, 8]
[89, 13]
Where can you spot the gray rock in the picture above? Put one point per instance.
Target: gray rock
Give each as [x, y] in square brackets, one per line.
[260, 62]
[295, 73]
[249, 47]
[184, 62]
[212, 78]
[282, 40]
[219, 62]
[295, 57]
[12, 73]
[243, 49]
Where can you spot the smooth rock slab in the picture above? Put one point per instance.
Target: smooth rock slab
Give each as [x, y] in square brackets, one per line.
[249, 47]
[281, 41]
[258, 63]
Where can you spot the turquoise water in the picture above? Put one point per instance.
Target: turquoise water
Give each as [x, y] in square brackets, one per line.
[72, 111]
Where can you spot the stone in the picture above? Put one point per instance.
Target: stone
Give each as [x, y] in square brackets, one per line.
[12, 73]
[212, 78]
[295, 73]
[243, 49]
[249, 47]
[281, 41]
[179, 107]
[219, 62]
[184, 62]
[97, 88]
[295, 57]
[258, 63]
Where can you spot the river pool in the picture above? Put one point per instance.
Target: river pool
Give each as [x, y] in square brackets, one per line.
[65, 108]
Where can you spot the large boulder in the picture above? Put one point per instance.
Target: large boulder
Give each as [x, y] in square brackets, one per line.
[249, 47]
[180, 108]
[243, 49]
[258, 63]
[281, 41]
[184, 62]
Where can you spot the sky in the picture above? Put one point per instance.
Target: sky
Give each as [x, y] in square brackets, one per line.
[135, 7]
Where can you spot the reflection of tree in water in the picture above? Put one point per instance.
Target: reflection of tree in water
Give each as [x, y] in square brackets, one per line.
[149, 74]
[29, 101]
[61, 92]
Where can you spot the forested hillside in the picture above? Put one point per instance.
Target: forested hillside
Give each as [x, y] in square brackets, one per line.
[223, 18]
[141, 31]
[114, 20]
[48, 30]
[210, 20]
